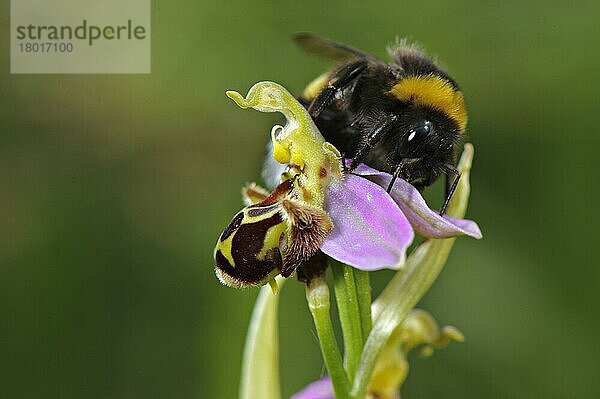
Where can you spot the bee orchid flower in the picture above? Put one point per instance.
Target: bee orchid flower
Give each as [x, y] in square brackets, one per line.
[319, 206]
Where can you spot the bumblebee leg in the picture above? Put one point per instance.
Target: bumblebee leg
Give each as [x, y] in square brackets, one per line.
[345, 167]
[372, 138]
[395, 175]
[450, 187]
[341, 80]
[399, 169]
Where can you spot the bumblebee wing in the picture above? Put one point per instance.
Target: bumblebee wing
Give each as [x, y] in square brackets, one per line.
[326, 48]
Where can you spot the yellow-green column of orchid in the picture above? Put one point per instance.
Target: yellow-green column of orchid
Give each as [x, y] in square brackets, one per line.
[299, 143]
[313, 163]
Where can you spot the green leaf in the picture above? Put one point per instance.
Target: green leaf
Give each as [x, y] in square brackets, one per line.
[410, 284]
[260, 365]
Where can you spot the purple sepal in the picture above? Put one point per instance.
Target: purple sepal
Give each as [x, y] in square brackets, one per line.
[424, 220]
[370, 232]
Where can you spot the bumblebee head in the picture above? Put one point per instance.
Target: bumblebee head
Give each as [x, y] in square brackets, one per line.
[423, 131]
[433, 115]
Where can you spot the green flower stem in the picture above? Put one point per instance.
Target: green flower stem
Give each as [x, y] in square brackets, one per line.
[317, 295]
[410, 284]
[363, 293]
[347, 301]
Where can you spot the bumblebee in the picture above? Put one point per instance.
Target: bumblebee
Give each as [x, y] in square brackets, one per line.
[405, 117]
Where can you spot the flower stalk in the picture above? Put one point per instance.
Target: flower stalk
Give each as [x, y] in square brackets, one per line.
[349, 313]
[363, 294]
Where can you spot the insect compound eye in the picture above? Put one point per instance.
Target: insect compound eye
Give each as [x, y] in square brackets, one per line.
[420, 131]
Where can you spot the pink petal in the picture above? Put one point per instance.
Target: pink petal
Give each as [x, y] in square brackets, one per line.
[424, 220]
[370, 232]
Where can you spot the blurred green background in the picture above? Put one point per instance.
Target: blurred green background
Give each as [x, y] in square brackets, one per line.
[114, 189]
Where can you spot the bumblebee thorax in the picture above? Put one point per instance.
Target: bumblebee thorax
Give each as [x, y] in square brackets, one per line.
[434, 92]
